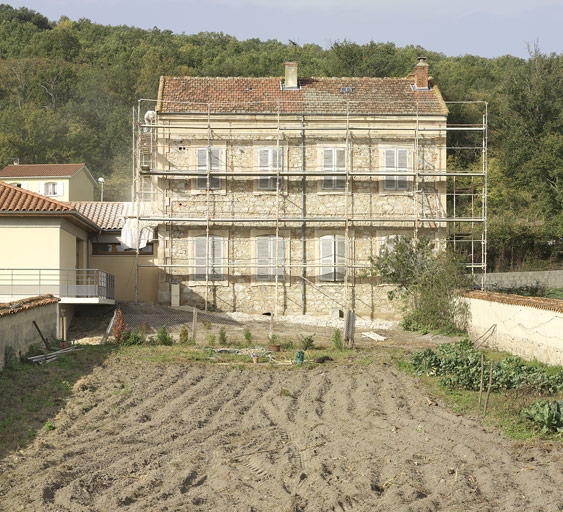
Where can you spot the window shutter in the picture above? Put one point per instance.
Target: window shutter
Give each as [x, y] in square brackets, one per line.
[390, 183]
[327, 258]
[216, 258]
[216, 154]
[41, 188]
[201, 166]
[200, 257]
[340, 260]
[340, 166]
[264, 182]
[402, 165]
[281, 256]
[275, 156]
[328, 165]
[60, 189]
[263, 260]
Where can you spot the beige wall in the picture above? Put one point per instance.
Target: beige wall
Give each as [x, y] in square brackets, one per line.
[123, 268]
[525, 331]
[82, 188]
[29, 245]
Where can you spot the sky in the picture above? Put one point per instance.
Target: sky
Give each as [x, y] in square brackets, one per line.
[489, 28]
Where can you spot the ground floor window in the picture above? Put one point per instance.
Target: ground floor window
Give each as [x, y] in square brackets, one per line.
[209, 258]
[333, 257]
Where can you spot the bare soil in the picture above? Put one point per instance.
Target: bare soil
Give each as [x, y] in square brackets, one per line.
[145, 436]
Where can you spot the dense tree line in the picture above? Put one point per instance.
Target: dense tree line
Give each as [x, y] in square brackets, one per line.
[67, 89]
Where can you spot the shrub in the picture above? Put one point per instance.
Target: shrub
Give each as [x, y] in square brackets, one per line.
[307, 342]
[549, 416]
[132, 338]
[287, 344]
[211, 339]
[184, 336]
[273, 339]
[248, 336]
[163, 338]
[337, 341]
[118, 326]
[428, 284]
[459, 366]
[10, 358]
[222, 336]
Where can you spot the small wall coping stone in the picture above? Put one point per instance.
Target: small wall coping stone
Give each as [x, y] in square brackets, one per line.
[11, 308]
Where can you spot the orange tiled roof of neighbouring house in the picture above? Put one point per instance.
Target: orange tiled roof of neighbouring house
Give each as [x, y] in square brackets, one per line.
[107, 215]
[40, 170]
[15, 199]
[386, 96]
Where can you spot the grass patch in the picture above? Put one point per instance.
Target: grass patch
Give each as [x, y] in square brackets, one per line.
[32, 395]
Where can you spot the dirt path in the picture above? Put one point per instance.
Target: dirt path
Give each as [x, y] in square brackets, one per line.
[139, 436]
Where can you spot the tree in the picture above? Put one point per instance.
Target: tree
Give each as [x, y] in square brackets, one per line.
[428, 284]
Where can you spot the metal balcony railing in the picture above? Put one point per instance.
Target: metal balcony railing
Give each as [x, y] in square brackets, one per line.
[62, 282]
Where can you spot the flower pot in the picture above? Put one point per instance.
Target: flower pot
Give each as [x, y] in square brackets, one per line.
[274, 348]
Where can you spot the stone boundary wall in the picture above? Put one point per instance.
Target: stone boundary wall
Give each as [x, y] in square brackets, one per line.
[549, 278]
[16, 327]
[529, 327]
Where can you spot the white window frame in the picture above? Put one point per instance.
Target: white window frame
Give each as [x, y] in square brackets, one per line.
[335, 258]
[396, 160]
[56, 189]
[216, 265]
[333, 183]
[268, 183]
[201, 164]
[266, 265]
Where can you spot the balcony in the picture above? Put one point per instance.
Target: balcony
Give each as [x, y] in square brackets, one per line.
[73, 286]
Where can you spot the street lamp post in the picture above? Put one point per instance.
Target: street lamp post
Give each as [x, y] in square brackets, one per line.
[101, 181]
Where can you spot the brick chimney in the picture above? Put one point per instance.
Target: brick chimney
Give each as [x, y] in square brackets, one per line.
[421, 74]
[291, 75]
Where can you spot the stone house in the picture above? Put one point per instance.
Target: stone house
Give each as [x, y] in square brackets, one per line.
[270, 195]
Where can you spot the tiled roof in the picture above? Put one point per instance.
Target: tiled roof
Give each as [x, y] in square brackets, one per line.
[109, 216]
[315, 95]
[14, 199]
[39, 170]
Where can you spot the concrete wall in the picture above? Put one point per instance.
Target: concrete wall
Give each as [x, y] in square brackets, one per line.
[81, 187]
[39, 242]
[17, 330]
[549, 278]
[524, 331]
[123, 268]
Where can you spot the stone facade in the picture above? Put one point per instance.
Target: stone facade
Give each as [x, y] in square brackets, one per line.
[373, 212]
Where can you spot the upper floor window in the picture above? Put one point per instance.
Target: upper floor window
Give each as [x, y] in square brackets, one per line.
[396, 160]
[213, 158]
[333, 258]
[51, 188]
[209, 258]
[334, 160]
[268, 160]
[270, 258]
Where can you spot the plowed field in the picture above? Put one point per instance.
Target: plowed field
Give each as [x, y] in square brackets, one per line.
[143, 436]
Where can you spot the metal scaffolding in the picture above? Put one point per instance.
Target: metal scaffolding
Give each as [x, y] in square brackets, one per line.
[463, 219]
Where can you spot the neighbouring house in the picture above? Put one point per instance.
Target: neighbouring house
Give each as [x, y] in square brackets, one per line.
[45, 250]
[63, 182]
[270, 195]
[70, 249]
